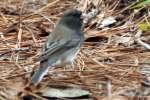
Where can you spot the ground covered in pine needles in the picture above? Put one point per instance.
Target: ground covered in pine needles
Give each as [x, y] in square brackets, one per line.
[114, 63]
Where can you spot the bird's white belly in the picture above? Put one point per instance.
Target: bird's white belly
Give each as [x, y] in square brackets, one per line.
[71, 56]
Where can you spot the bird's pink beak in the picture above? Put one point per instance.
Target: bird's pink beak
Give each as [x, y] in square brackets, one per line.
[82, 16]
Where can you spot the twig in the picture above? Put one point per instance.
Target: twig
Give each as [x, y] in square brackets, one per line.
[138, 39]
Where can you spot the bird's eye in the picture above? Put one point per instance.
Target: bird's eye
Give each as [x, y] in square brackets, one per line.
[77, 14]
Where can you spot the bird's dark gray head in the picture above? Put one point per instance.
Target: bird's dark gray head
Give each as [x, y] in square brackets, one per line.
[73, 13]
[72, 19]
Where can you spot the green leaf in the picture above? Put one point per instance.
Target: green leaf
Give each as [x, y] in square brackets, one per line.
[141, 4]
[144, 26]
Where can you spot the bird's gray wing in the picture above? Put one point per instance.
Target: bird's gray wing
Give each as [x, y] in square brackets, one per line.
[58, 46]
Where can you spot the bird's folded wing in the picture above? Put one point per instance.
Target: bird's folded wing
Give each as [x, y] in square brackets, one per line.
[57, 47]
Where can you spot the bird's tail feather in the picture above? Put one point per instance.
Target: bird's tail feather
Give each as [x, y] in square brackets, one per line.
[42, 71]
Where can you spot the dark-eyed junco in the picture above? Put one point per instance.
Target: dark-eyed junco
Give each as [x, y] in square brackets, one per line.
[62, 45]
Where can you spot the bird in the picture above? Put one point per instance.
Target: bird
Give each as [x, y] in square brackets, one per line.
[62, 45]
